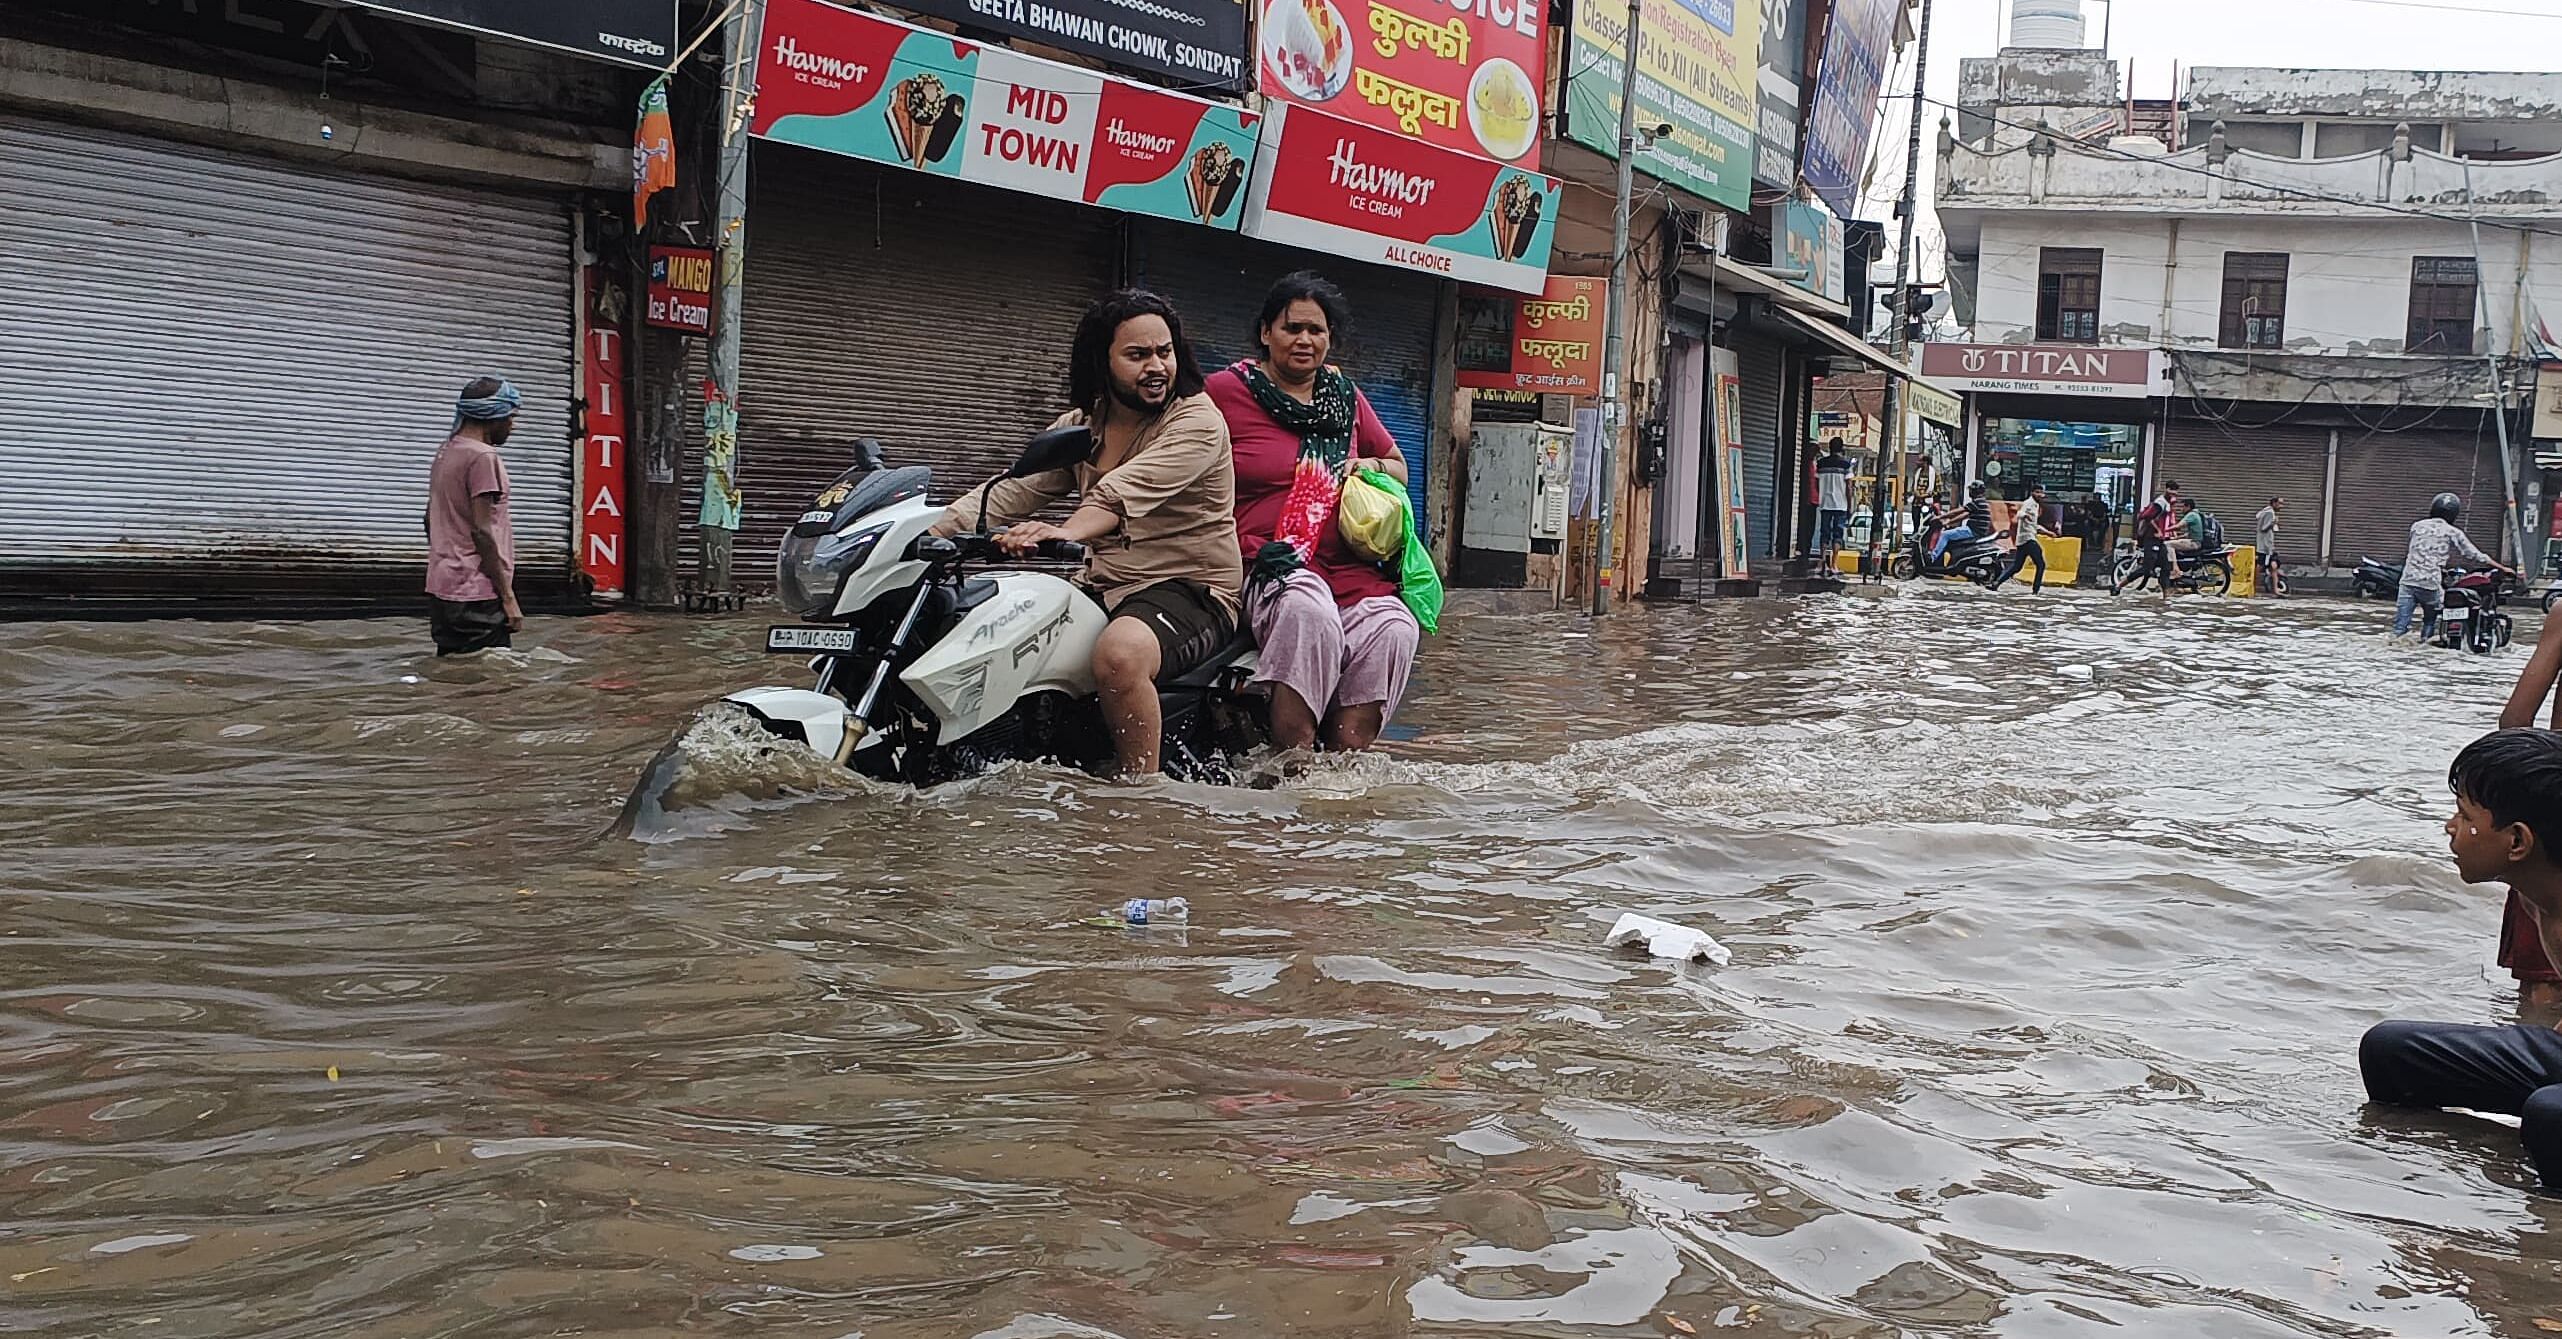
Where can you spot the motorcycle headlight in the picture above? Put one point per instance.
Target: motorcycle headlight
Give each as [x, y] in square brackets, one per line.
[811, 569]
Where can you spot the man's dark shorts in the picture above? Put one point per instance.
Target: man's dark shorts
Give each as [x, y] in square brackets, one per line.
[467, 625]
[1189, 622]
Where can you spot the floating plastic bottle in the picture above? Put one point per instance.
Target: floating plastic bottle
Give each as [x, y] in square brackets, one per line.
[1156, 911]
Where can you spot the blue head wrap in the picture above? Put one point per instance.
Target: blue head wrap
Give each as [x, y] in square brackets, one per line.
[488, 408]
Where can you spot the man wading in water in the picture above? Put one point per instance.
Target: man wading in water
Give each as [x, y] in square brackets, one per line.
[471, 547]
[2508, 815]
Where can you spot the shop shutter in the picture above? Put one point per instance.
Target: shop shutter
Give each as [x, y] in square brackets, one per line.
[931, 314]
[212, 357]
[1758, 362]
[2387, 480]
[2232, 471]
[1217, 280]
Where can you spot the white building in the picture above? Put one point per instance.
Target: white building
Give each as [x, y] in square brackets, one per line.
[2280, 296]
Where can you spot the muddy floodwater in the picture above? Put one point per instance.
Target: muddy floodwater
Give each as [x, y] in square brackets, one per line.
[334, 1004]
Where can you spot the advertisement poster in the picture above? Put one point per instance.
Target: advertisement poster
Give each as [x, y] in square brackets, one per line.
[1461, 74]
[1783, 70]
[866, 87]
[1698, 69]
[1349, 189]
[2041, 369]
[680, 289]
[634, 32]
[1810, 250]
[1733, 524]
[1845, 107]
[1549, 343]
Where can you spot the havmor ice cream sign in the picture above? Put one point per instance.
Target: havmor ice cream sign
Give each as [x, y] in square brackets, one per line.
[2043, 369]
[868, 87]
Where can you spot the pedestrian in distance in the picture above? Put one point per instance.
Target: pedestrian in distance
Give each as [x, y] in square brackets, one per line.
[2508, 815]
[471, 547]
[1832, 500]
[2153, 527]
[2024, 531]
[2264, 547]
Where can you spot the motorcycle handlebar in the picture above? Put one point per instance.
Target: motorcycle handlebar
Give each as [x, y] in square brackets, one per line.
[1060, 550]
[933, 548]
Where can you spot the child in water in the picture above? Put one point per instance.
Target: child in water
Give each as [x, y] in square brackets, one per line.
[2508, 815]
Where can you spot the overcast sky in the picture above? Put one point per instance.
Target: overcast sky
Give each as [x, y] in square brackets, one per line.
[2338, 34]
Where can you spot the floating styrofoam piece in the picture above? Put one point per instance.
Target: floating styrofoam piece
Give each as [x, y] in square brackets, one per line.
[1664, 939]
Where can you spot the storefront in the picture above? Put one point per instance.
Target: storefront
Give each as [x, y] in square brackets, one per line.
[234, 347]
[2077, 421]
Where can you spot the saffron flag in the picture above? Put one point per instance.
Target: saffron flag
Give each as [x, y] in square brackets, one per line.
[653, 150]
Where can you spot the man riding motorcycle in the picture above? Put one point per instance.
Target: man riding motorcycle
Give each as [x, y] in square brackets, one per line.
[1156, 510]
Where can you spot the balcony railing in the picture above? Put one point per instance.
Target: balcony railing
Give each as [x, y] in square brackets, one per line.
[2037, 169]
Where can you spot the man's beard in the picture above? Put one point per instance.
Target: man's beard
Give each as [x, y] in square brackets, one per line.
[1135, 402]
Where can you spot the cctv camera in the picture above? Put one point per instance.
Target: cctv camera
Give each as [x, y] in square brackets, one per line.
[1659, 130]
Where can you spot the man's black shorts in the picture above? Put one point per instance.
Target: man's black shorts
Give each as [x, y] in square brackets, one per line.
[1189, 622]
[466, 625]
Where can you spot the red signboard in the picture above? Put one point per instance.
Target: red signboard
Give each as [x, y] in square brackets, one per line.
[680, 289]
[1354, 190]
[1462, 74]
[1550, 342]
[601, 454]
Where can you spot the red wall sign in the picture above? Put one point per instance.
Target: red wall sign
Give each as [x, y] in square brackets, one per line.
[601, 454]
[1462, 74]
[680, 289]
[1550, 342]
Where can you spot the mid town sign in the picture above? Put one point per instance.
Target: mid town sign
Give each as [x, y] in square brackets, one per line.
[2041, 369]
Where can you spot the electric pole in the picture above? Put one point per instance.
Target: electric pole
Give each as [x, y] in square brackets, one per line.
[718, 517]
[1614, 344]
[1902, 341]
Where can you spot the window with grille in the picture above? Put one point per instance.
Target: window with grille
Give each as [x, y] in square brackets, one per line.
[2442, 298]
[2254, 300]
[2068, 294]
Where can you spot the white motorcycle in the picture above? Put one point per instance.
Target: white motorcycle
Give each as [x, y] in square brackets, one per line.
[927, 672]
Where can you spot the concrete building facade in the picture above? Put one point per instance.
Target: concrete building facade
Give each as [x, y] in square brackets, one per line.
[2328, 282]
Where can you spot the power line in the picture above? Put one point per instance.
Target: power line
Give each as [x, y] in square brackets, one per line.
[2461, 9]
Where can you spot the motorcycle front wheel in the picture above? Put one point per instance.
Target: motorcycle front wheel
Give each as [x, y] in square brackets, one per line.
[1903, 568]
[2215, 578]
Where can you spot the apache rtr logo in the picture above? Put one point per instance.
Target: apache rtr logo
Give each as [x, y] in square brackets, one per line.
[1049, 633]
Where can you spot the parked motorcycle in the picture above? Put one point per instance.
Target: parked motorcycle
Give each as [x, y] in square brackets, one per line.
[928, 672]
[2206, 573]
[2472, 618]
[1981, 560]
[2382, 581]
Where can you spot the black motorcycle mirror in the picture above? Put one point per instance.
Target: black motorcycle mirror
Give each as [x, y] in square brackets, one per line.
[867, 453]
[1055, 449]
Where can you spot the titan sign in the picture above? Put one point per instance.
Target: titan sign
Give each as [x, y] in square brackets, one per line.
[634, 32]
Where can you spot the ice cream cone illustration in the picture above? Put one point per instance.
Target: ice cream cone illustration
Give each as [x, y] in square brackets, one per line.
[924, 120]
[1213, 181]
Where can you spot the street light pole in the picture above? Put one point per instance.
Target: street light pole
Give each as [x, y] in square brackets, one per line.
[2512, 518]
[1901, 342]
[718, 518]
[1614, 345]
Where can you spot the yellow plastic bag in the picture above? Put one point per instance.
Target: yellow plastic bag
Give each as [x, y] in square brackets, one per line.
[1373, 520]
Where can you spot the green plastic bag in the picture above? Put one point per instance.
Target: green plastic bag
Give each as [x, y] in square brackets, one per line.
[1419, 582]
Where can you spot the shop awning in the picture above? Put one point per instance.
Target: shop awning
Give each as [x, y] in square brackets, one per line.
[1930, 401]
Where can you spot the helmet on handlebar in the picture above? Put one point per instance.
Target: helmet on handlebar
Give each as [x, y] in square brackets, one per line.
[2446, 507]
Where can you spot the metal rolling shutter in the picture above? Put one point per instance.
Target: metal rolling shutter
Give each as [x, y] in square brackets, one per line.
[215, 358]
[2233, 471]
[1217, 280]
[1758, 362]
[2387, 479]
[933, 315]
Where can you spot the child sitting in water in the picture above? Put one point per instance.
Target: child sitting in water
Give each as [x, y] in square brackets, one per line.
[2508, 815]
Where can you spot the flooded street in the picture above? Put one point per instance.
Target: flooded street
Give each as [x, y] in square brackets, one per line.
[334, 1005]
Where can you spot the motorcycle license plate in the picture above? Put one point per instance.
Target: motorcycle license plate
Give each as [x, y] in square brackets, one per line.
[803, 640]
[2458, 615]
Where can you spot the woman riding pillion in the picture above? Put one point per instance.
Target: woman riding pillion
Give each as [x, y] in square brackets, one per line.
[1337, 642]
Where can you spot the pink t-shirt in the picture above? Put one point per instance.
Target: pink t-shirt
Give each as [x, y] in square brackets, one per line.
[1267, 456]
[465, 468]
